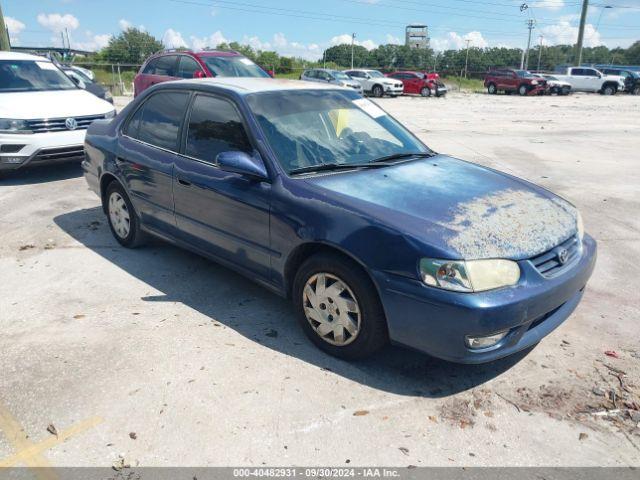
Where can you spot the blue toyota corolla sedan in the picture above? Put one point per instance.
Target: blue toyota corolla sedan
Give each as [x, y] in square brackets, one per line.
[321, 196]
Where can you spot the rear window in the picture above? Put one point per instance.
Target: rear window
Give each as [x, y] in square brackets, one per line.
[158, 121]
[235, 66]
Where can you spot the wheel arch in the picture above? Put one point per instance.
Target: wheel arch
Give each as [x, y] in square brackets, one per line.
[306, 250]
[610, 84]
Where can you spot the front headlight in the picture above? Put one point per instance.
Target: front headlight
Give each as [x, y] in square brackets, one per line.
[580, 227]
[107, 95]
[469, 275]
[9, 125]
[534, 82]
[110, 114]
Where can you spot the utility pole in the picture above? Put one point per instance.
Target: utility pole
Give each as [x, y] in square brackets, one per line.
[4, 35]
[353, 39]
[466, 60]
[583, 19]
[540, 52]
[531, 24]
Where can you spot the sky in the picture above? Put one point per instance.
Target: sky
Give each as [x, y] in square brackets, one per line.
[305, 28]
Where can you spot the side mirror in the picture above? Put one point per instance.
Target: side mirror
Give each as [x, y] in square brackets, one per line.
[198, 74]
[243, 164]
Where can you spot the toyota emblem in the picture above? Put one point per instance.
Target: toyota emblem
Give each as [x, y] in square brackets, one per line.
[563, 256]
[71, 123]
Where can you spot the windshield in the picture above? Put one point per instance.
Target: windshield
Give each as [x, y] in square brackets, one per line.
[340, 75]
[312, 127]
[375, 74]
[32, 76]
[233, 67]
[524, 74]
[78, 73]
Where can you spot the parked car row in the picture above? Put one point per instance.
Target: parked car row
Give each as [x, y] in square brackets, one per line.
[302, 187]
[562, 82]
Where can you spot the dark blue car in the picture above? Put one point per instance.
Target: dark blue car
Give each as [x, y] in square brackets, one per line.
[321, 196]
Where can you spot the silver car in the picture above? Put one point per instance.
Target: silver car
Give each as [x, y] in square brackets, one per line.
[327, 75]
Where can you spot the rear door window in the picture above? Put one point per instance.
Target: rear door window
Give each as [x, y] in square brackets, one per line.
[215, 126]
[150, 68]
[158, 121]
[166, 66]
[187, 67]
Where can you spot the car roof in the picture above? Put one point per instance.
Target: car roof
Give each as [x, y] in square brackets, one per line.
[199, 53]
[248, 85]
[21, 56]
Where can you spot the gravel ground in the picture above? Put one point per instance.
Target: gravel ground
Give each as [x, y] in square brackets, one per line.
[158, 357]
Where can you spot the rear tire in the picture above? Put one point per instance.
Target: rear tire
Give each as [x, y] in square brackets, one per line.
[491, 88]
[326, 283]
[123, 220]
[377, 91]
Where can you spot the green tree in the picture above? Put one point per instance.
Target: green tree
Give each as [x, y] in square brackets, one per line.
[131, 46]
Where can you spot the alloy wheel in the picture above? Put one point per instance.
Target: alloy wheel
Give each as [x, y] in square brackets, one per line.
[119, 215]
[331, 309]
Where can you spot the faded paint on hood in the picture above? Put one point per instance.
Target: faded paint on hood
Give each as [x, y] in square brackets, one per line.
[471, 211]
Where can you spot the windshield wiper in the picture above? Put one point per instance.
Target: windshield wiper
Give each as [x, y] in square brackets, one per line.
[400, 156]
[331, 166]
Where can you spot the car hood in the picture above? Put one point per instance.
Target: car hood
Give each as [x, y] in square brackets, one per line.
[51, 104]
[464, 210]
[390, 81]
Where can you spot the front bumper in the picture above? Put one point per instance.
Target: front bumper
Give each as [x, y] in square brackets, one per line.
[393, 90]
[40, 148]
[436, 321]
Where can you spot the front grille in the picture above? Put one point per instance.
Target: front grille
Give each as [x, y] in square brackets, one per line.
[43, 125]
[548, 263]
[61, 154]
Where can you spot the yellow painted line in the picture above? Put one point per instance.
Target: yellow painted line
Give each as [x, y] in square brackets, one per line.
[18, 440]
[33, 450]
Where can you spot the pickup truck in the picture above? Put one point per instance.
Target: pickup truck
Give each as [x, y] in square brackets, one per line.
[587, 79]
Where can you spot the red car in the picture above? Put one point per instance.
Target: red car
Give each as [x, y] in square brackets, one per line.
[509, 80]
[420, 83]
[175, 65]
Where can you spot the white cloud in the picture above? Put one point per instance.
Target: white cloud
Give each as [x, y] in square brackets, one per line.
[15, 27]
[57, 23]
[392, 39]
[212, 41]
[255, 43]
[173, 39]
[124, 24]
[93, 43]
[279, 40]
[549, 4]
[346, 38]
[563, 33]
[453, 41]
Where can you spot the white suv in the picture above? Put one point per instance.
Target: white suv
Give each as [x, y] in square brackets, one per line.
[43, 114]
[375, 83]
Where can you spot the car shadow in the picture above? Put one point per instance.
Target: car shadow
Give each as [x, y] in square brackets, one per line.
[230, 299]
[41, 174]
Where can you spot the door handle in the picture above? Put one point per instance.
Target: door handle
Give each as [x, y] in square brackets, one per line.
[184, 182]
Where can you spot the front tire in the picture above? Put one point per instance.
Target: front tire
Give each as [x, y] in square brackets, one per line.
[522, 90]
[425, 92]
[123, 220]
[338, 307]
[608, 90]
[377, 91]
[636, 91]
